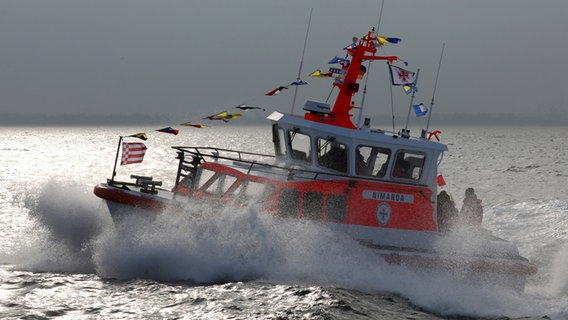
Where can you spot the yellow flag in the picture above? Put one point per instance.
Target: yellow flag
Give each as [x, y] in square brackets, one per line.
[318, 74]
[140, 135]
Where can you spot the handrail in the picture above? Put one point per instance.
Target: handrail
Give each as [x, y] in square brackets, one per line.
[218, 150]
[215, 154]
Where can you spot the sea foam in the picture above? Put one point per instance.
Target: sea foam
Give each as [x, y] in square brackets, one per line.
[204, 244]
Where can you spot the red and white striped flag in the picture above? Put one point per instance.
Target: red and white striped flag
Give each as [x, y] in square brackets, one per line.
[132, 152]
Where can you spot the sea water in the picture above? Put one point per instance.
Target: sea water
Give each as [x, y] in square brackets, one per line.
[61, 256]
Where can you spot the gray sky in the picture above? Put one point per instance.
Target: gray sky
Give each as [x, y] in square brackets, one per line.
[187, 59]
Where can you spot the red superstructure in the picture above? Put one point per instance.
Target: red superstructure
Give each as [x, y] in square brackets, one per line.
[364, 50]
[314, 197]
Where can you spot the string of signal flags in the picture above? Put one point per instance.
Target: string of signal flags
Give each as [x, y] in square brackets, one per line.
[399, 77]
[224, 116]
[339, 72]
[133, 152]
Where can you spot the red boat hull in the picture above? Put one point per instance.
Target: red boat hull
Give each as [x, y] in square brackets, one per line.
[511, 271]
[132, 199]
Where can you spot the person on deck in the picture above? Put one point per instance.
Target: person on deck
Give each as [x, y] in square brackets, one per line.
[447, 212]
[471, 212]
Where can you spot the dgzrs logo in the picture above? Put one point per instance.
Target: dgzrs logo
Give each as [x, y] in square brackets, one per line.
[383, 213]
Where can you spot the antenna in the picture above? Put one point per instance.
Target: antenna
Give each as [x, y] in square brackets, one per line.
[302, 61]
[380, 16]
[435, 86]
[392, 103]
[369, 70]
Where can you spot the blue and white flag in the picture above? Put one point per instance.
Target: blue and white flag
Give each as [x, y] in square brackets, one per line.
[338, 60]
[298, 83]
[420, 110]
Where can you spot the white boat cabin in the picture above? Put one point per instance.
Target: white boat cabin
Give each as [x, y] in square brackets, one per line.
[355, 153]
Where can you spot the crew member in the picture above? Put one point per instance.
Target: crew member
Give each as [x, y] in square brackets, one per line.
[471, 212]
[447, 212]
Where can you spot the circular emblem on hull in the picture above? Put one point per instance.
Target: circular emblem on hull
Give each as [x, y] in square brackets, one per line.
[383, 213]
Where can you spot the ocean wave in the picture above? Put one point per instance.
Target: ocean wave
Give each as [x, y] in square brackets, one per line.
[72, 233]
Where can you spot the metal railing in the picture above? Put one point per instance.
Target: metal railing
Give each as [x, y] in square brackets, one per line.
[249, 160]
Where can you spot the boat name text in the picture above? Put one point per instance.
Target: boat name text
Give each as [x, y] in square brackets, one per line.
[388, 196]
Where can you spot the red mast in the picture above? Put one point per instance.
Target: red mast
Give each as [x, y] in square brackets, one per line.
[364, 50]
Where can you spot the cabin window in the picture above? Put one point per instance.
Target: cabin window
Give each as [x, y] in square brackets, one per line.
[336, 208]
[371, 161]
[312, 206]
[203, 175]
[221, 184]
[253, 191]
[332, 154]
[289, 203]
[300, 145]
[408, 165]
[279, 140]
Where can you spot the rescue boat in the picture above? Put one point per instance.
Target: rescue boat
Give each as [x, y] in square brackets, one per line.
[378, 186]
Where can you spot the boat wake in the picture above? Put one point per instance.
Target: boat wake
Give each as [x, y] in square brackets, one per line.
[72, 232]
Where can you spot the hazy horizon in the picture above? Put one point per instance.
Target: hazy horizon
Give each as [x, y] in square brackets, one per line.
[94, 61]
[260, 119]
